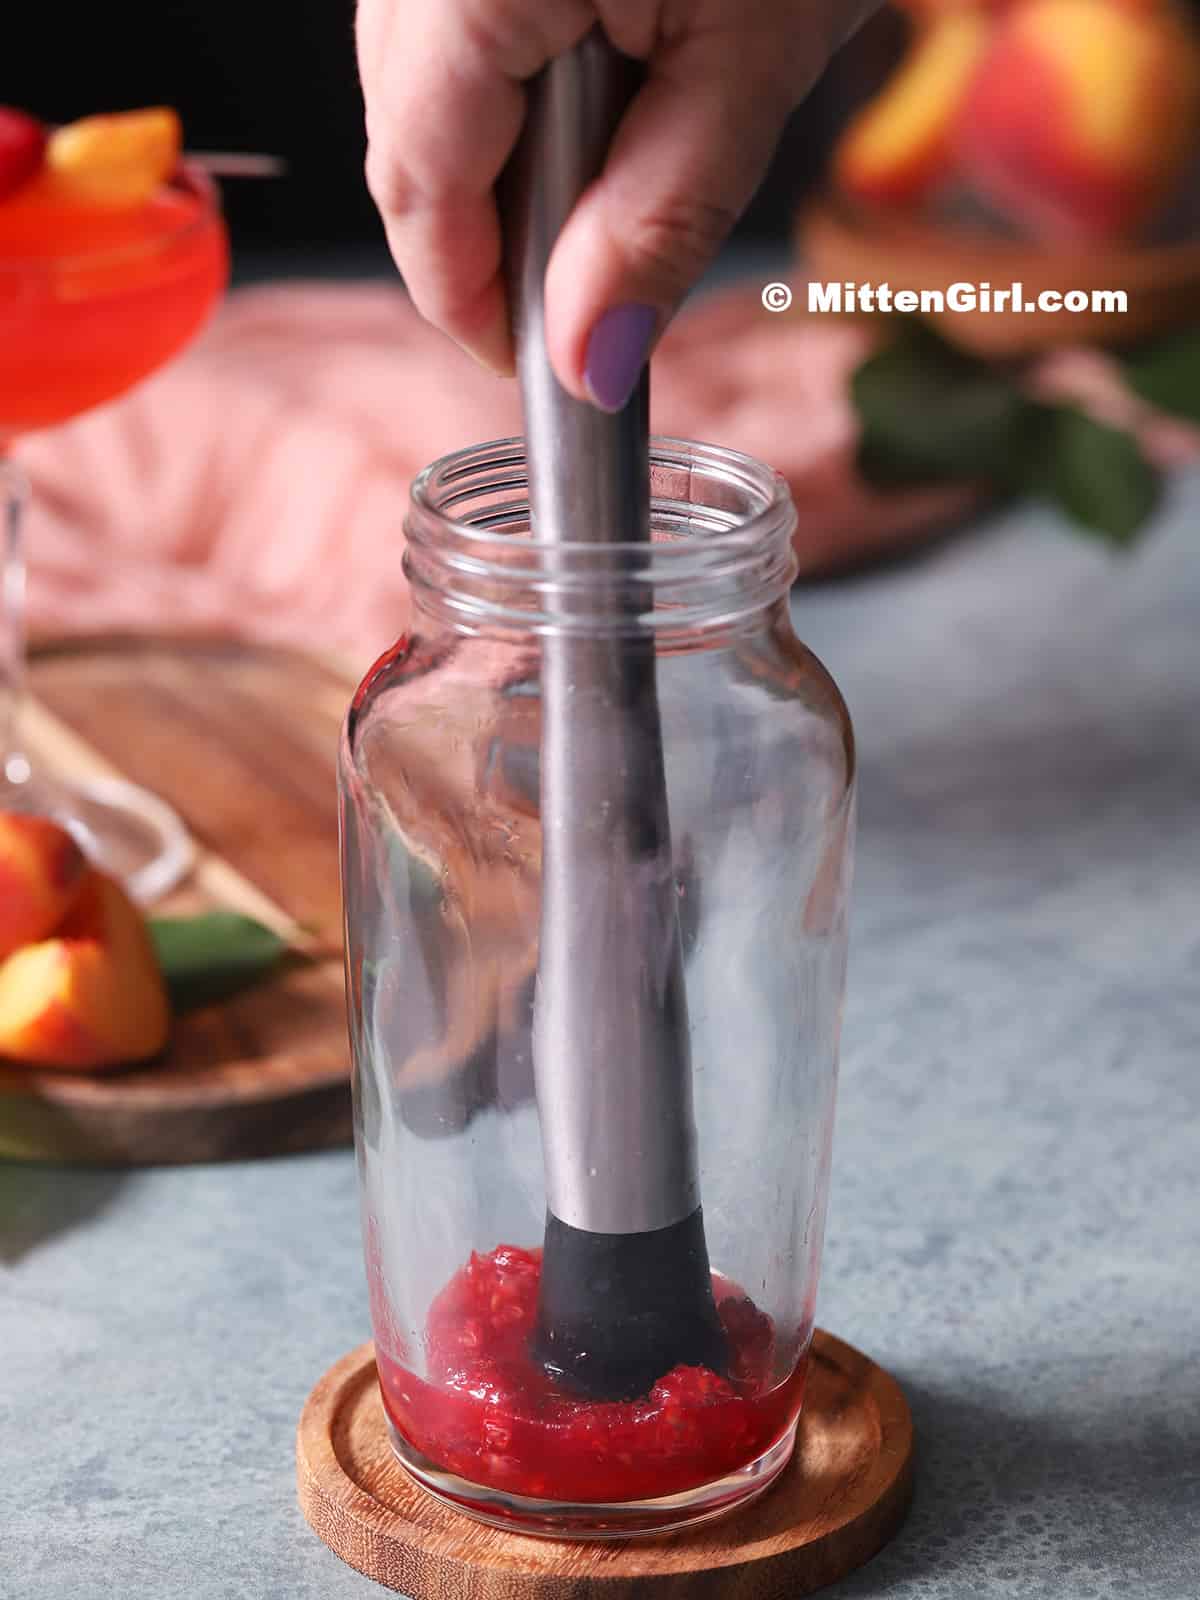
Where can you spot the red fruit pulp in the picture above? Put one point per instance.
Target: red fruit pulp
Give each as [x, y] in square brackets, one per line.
[487, 1412]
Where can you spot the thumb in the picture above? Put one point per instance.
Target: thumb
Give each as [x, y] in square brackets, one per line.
[688, 156]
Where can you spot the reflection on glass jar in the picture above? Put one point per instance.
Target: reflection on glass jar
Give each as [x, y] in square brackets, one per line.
[441, 855]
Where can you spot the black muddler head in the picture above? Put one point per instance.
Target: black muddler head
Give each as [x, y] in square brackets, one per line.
[618, 1310]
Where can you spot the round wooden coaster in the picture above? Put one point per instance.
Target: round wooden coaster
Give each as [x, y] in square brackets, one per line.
[840, 1500]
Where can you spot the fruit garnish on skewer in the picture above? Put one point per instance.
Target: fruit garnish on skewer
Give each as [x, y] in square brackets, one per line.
[115, 161]
[119, 158]
[22, 145]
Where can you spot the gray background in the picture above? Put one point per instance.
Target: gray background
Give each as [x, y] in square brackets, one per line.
[1014, 1228]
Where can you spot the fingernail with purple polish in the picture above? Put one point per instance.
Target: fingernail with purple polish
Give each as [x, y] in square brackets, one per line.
[616, 353]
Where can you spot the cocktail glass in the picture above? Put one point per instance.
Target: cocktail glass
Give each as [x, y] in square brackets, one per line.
[91, 302]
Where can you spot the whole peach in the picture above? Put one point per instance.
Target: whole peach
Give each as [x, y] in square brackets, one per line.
[1081, 113]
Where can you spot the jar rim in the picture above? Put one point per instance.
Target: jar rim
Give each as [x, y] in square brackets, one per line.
[747, 471]
[714, 559]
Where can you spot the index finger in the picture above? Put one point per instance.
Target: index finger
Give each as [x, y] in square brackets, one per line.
[445, 104]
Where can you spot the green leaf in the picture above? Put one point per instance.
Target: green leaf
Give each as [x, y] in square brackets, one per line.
[930, 413]
[1168, 375]
[1097, 475]
[214, 955]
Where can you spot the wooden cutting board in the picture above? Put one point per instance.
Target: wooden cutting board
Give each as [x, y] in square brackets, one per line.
[242, 742]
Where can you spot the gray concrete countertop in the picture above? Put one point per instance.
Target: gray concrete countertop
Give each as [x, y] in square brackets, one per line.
[1014, 1230]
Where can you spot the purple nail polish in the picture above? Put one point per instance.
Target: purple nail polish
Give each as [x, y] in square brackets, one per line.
[616, 353]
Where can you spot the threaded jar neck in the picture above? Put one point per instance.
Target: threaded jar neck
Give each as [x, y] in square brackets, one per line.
[720, 551]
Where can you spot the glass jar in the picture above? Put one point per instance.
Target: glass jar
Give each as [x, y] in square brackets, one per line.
[442, 876]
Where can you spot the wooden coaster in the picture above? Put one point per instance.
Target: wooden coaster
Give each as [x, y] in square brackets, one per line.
[843, 1496]
[241, 741]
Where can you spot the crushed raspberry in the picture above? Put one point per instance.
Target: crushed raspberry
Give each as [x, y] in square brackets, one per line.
[488, 1412]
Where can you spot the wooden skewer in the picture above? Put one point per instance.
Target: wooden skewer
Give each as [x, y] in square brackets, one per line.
[238, 164]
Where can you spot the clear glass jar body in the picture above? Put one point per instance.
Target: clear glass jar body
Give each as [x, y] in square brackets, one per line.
[441, 860]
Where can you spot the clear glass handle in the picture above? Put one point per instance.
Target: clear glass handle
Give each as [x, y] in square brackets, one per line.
[14, 764]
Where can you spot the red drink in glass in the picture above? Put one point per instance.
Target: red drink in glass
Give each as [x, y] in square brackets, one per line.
[93, 298]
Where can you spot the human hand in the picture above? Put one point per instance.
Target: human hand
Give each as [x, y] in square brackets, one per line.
[443, 84]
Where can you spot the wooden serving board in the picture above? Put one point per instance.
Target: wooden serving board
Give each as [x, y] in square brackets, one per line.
[241, 741]
[842, 1496]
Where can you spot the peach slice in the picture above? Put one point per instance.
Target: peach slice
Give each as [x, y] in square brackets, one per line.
[118, 159]
[90, 996]
[41, 868]
[899, 144]
[1081, 113]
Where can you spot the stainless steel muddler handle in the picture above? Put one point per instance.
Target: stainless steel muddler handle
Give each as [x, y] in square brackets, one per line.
[626, 1291]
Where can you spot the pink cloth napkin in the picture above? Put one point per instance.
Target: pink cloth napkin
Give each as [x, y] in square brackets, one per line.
[258, 485]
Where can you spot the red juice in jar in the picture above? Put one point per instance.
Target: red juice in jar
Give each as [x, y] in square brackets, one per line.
[487, 1412]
